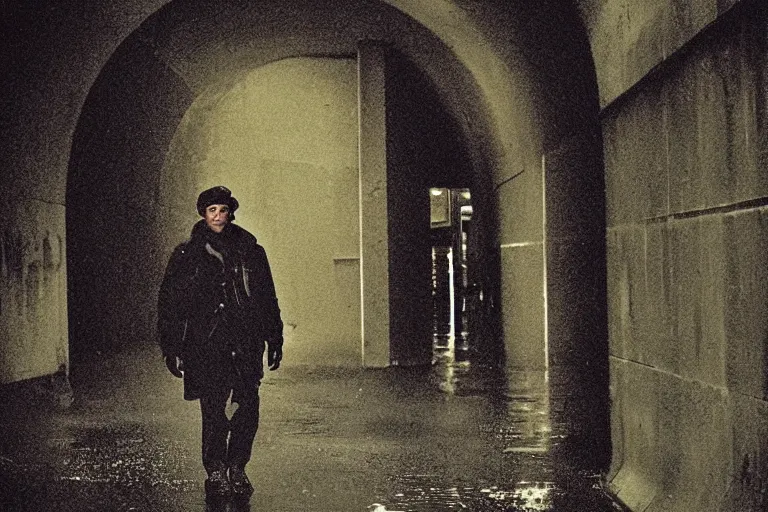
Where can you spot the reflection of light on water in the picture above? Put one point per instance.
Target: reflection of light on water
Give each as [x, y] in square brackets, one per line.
[526, 449]
[448, 385]
[524, 496]
[450, 374]
[521, 426]
[378, 507]
[534, 496]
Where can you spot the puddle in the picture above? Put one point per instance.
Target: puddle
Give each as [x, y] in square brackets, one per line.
[433, 493]
[421, 494]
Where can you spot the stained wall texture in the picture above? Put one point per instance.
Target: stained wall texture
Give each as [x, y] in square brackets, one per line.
[33, 278]
[685, 155]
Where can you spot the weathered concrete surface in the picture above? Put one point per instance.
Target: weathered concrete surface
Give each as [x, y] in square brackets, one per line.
[746, 325]
[374, 219]
[33, 288]
[686, 208]
[577, 329]
[521, 238]
[523, 303]
[452, 437]
[696, 285]
[675, 440]
[717, 155]
[643, 34]
[635, 142]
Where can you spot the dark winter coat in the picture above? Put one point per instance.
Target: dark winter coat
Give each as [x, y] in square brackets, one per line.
[216, 308]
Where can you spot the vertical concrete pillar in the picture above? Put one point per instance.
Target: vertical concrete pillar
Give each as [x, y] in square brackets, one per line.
[374, 250]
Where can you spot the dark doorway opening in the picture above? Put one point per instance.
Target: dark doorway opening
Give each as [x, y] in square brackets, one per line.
[452, 284]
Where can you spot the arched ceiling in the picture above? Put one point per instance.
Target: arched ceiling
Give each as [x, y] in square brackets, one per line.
[203, 42]
[511, 72]
[474, 52]
[210, 43]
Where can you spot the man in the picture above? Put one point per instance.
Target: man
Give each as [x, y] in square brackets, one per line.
[216, 309]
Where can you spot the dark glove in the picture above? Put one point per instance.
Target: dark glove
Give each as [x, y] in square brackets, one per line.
[175, 366]
[274, 353]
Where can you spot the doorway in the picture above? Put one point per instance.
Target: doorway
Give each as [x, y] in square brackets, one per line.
[452, 283]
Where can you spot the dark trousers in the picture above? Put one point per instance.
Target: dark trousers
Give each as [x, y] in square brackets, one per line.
[228, 442]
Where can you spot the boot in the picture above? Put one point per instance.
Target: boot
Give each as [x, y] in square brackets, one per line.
[217, 484]
[241, 486]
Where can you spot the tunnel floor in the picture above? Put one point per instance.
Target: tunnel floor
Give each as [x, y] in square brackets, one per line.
[453, 437]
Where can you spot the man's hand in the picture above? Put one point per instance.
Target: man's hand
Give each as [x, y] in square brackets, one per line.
[274, 353]
[174, 366]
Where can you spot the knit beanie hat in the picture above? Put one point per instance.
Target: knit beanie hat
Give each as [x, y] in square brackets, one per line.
[216, 195]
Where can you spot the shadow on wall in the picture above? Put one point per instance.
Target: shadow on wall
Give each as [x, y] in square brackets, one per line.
[113, 254]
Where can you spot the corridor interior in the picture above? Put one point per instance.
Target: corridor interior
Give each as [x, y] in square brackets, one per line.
[605, 329]
[456, 434]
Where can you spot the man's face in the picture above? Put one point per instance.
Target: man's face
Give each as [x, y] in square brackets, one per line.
[216, 217]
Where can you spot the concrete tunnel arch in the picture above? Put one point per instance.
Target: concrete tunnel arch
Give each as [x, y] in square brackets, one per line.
[532, 139]
[707, 67]
[117, 159]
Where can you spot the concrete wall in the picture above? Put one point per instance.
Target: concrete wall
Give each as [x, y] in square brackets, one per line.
[44, 83]
[577, 330]
[33, 280]
[686, 155]
[642, 34]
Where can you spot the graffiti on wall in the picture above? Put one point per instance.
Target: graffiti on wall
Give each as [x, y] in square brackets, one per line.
[28, 266]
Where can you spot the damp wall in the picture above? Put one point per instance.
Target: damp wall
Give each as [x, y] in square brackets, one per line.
[44, 83]
[686, 153]
[33, 279]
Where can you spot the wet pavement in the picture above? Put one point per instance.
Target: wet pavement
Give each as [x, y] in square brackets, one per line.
[454, 437]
